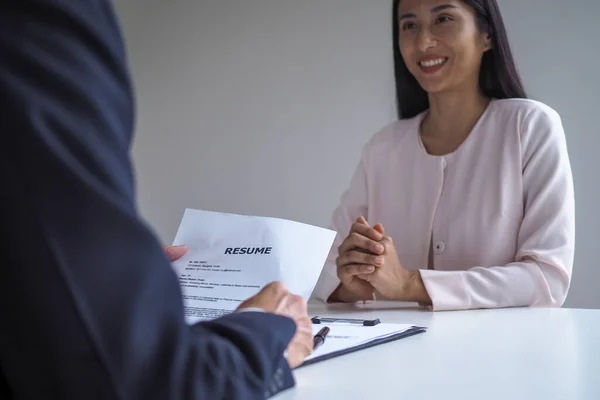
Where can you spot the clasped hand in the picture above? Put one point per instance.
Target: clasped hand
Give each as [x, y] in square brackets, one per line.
[368, 263]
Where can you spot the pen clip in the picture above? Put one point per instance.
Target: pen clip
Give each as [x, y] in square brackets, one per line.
[364, 322]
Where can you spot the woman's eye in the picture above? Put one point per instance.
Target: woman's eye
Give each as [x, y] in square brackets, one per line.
[443, 18]
[408, 25]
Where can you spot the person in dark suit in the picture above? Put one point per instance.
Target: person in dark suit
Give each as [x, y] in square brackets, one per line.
[90, 307]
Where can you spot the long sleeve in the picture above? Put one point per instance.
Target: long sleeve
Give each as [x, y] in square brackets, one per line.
[541, 273]
[352, 205]
[91, 309]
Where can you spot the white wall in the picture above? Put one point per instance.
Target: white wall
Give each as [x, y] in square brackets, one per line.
[262, 106]
[257, 106]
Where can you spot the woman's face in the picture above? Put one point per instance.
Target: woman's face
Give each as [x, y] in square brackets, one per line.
[441, 43]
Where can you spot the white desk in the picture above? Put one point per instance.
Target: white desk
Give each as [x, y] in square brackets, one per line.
[508, 354]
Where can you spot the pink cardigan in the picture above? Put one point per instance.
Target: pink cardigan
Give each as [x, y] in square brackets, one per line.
[500, 209]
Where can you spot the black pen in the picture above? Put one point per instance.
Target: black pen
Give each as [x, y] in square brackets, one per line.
[319, 338]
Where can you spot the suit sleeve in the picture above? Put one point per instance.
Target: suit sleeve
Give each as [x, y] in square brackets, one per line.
[91, 309]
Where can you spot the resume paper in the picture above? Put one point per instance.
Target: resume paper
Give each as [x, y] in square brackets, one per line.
[231, 257]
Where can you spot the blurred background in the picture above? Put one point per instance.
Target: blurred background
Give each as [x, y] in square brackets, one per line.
[262, 106]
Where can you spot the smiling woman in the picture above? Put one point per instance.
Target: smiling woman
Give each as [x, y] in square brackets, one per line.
[485, 47]
[473, 183]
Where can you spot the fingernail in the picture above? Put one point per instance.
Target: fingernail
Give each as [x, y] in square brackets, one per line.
[368, 269]
[379, 260]
[378, 248]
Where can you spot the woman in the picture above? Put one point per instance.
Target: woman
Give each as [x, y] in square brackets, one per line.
[472, 186]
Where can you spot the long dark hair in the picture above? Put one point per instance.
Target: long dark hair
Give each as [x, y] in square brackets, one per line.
[498, 77]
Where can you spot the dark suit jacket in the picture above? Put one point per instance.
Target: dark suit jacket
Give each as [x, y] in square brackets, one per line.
[90, 307]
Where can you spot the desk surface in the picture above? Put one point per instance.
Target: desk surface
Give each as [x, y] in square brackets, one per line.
[514, 354]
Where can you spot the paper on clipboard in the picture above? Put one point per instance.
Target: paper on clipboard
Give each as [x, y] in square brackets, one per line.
[343, 339]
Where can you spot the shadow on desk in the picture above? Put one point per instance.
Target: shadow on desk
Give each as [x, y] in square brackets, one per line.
[367, 306]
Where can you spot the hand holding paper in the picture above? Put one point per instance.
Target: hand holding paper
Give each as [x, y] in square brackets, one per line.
[276, 299]
[231, 257]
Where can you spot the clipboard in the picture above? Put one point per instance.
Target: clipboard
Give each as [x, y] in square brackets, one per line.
[360, 324]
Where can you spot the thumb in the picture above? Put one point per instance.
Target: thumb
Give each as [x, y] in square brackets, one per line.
[175, 252]
[275, 293]
[362, 220]
[379, 228]
[275, 289]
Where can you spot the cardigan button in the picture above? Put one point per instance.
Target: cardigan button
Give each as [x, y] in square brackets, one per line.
[439, 247]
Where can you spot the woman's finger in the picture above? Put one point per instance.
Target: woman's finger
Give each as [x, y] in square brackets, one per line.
[367, 231]
[359, 257]
[357, 241]
[354, 270]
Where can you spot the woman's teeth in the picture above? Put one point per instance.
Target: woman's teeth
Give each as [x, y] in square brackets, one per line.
[433, 63]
